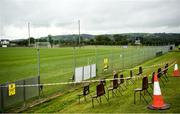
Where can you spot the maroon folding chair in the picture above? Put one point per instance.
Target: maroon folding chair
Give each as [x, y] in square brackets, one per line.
[100, 91]
[144, 89]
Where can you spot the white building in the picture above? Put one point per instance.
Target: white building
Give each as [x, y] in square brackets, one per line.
[137, 41]
[4, 42]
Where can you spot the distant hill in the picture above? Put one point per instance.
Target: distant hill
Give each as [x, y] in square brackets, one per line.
[70, 37]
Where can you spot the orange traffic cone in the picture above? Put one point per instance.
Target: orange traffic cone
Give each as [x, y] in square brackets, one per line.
[158, 101]
[176, 71]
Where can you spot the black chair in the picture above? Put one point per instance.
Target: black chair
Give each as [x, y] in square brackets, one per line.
[100, 91]
[86, 91]
[144, 89]
[130, 78]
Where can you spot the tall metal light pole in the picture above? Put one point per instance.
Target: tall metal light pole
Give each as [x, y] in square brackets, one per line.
[29, 33]
[38, 60]
[79, 32]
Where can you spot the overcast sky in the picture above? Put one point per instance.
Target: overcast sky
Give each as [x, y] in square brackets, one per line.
[58, 17]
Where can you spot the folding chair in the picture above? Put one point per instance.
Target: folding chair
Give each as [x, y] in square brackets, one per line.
[140, 72]
[115, 75]
[114, 87]
[160, 75]
[144, 89]
[165, 71]
[100, 91]
[152, 81]
[121, 82]
[103, 81]
[86, 91]
[130, 78]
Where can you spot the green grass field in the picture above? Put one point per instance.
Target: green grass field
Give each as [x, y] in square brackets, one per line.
[68, 102]
[57, 64]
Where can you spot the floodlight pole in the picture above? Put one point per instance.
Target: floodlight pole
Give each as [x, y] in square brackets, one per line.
[79, 32]
[29, 33]
[38, 57]
[74, 55]
[123, 57]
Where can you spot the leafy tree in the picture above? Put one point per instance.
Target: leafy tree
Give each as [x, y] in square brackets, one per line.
[50, 40]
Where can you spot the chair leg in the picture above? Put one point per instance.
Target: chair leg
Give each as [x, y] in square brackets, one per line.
[100, 99]
[134, 97]
[79, 99]
[144, 98]
[108, 94]
[132, 81]
[140, 96]
[149, 94]
[106, 98]
[165, 78]
[85, 98]
[121, 88]
[120, 92]
[162, 82]
[92, 103]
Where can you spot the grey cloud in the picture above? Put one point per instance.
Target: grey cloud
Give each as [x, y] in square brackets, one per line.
[95, 15]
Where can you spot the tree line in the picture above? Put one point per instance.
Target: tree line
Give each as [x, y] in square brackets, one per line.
[109, 39]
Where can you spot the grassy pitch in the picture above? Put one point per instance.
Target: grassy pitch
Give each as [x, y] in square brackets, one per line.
[57, 64]
[68, 103]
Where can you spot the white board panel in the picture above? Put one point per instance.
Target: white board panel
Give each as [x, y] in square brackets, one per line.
[78, 74]
[93, 70]
[87, 72]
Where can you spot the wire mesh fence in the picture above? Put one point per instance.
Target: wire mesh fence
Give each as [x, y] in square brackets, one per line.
[58, 65]
[11, 96]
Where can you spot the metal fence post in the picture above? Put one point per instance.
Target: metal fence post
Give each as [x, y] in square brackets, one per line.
[123, 58]
[39, 89]
[96, 60]
[2, 100]
[38, 58]
[24, 92]
[111, 59]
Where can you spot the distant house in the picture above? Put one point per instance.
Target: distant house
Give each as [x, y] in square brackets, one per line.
[137, 41]
[4, 42]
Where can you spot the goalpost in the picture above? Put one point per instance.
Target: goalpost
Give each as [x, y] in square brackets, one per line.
[43, 45]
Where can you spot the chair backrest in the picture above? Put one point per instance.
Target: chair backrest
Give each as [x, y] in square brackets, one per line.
[86, 90]
[131, 73]
[121, 79]
[115, 76]
[100, 89]
[159, 72]
[140, 70]
[115, 83]
[103, 81]
[145, 83]
[165, 68]
[152, 79]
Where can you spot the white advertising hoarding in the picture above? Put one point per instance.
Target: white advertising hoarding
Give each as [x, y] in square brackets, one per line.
[93, 70]
[87, 72]
[78, 74]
